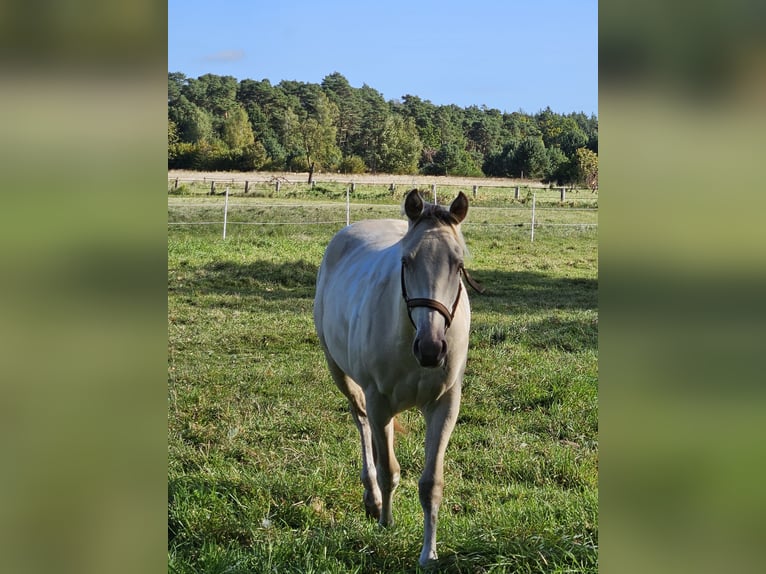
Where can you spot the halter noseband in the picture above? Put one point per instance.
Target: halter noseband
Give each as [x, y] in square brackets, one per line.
[431, 303]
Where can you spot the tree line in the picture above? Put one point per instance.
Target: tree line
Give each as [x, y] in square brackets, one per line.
[219, 123]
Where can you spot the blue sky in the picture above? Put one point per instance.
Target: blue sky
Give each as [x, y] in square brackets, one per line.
[505, 54]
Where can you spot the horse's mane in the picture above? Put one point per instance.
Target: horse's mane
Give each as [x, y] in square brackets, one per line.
[438, 213]
[435, 212]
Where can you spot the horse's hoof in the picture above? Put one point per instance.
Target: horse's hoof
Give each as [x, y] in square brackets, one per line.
[371, 509]
[372, 512]
[428, 560]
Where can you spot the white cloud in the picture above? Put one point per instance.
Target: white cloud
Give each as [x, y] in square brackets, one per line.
[226, 56]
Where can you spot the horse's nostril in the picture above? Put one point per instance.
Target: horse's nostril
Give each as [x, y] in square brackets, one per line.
[429, 353]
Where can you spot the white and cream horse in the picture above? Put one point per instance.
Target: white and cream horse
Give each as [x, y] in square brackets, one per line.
[393, 319]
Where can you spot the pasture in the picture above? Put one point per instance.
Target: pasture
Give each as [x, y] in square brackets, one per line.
[264, 458]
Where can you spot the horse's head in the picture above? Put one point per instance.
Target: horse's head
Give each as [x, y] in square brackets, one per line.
[432, 259]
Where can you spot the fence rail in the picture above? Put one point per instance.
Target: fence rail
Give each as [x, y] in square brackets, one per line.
[279, 183]
[290, 178]
[534, 217]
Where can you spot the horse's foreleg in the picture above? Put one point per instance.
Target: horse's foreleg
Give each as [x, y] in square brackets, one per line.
[372, 494]
[358, 408]
[440, 420]
[387, 466]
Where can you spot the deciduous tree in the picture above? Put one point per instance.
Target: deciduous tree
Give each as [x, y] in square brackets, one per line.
[587, 167]
[400, 146]
[237, 133]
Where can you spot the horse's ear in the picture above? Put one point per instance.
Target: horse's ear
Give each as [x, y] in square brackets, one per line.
[459, 207]
[413, 204]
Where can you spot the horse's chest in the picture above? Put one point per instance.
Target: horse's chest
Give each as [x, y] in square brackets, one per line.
[413, 388]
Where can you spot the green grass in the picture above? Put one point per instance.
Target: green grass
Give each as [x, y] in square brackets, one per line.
[263, 456]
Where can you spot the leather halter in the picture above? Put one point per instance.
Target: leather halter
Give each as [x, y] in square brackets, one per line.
[431, 303]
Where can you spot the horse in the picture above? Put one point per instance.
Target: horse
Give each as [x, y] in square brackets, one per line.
[393, 318]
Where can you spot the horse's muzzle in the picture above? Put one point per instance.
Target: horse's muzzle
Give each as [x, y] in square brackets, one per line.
[430, 352]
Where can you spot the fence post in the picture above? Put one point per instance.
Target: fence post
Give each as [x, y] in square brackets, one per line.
[247, 184]
[353, 186]
[277, 186]
[475, 189]
[348, 205]
[175, 185]
[225, 212]
[563, 191]
[532, 237]
[433, 189]
[212, 187]
[516, 193]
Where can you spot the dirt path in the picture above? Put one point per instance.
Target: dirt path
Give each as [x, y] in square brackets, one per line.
[366, 178]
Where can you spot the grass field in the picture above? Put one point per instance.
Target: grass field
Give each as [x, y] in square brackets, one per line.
[263, 456]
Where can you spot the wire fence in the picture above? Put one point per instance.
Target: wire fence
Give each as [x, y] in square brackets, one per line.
[528, 215]
[496, 191]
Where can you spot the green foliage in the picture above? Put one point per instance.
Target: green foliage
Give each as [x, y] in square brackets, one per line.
[194, 124]
[172, 133]
[350, 111]
[400, 146]
[422, 113]
[484, 130]
[237, 132]
[498, 164]
[297, 162]
[173, 143]
[530, 158]
[587, 167]
[215, 94]
[352, 164]
[214, 156]
[311, 127]
[183, 155]
[332, 120]
[452, 159]
[558, 166]
[252, 157]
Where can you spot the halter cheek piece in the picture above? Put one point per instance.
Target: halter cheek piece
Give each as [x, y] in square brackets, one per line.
[431, 303]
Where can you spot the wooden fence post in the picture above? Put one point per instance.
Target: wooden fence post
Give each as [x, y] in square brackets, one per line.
[563, 191]
[277, 186]
[516, 193]
[175, 185]
[475, 189]
[212, 187]
[247, 184]
[353, 186]
[433, 190]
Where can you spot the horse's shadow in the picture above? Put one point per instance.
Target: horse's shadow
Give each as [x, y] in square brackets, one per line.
[505, 291]
[513, 291]
[262, 279]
